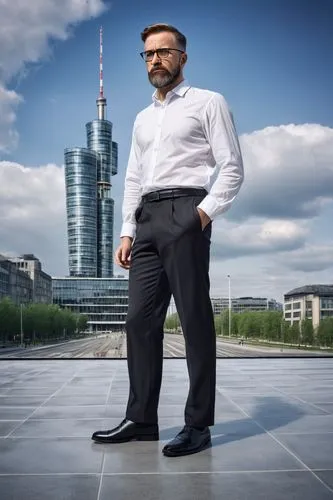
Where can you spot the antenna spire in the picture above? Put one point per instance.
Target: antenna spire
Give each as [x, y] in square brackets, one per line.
[101, 101]
[101, 84]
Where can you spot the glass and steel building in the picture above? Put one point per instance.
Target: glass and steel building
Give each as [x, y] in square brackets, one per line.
[103, 300]
[242, 304]
[81, 204]
[90, 208]
[90, 288]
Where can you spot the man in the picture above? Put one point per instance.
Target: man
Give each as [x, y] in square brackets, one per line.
[178, 143]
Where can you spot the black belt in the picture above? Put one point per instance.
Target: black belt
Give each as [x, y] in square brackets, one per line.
[165, 194]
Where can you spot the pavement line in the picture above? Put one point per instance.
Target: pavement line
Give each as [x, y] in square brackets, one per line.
[281, 444]
[163, 473]
[297, 398]
[103, 459]
[41, 405]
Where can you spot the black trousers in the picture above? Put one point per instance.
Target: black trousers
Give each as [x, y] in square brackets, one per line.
[170, 255]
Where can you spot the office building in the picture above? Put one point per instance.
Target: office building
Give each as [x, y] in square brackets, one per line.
[91, 289]
[42, 282]
[14, 283]
[239, 304]
[242, 304]
[103, 300]
[314, 302]
[90, 208]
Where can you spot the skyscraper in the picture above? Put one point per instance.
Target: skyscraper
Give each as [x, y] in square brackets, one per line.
[91, 288]
[90, 208]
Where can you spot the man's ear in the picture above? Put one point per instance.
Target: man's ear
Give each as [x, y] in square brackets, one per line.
[184, 58]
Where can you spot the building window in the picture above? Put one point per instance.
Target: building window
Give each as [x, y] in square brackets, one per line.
[326, 303]
[296, 305]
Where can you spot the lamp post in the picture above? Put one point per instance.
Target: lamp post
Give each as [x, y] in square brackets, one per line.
[229, 278]
[21, 315]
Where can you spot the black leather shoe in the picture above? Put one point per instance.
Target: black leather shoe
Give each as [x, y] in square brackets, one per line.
[127, 431]
[189, 440]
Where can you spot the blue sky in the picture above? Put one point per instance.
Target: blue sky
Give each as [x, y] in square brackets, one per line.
[272, 60]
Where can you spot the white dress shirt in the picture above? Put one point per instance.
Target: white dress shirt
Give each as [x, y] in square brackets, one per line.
[180, 142]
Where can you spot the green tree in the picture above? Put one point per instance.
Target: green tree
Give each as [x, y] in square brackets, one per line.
[307, 334]
[82, 322]
[285, 329]
[271, 325]
[294, 333]
[248, 325]
[9, 320]
[325, 332]
[172, 322]
[224, 323]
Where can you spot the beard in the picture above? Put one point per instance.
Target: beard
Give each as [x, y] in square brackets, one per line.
[163, 78]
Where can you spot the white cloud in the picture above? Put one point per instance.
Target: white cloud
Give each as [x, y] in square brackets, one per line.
[231, 240]
[288, 172]
[309, 259]
[26, 29]
[33, 213]
[9, 100]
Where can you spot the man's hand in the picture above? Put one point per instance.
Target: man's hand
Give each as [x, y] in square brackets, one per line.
[204, 218]
[123, 252]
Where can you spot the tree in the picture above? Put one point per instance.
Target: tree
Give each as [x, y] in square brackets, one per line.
[172, 322]
[271, 325]
[248, 325]
[82, 322]
[307, 331]
[325, 332]
[9, 319]
[294, 333]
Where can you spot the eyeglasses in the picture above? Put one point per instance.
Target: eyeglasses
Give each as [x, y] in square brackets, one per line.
[163, 53]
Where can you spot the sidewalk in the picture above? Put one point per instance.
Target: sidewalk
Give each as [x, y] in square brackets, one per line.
[273, 436]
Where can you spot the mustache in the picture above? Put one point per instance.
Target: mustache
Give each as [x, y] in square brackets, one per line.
[158, 69]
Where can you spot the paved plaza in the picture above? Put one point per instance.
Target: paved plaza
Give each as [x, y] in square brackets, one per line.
[273, 437]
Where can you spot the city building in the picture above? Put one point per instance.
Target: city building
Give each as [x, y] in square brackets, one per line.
[242, 304]
[103, 300]
[239, 304]
[314, 302]
[42, 282]
[91, 288]
[14, 283]
[90, 208]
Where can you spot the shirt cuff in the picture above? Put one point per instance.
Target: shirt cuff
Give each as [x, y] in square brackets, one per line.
[128, 229]
[210, 206]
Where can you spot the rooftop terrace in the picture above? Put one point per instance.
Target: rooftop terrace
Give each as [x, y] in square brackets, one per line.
[273, 437]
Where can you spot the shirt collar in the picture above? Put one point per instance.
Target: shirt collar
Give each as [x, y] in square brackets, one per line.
[180, 90]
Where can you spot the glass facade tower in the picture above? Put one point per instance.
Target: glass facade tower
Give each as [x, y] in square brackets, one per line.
[91, 289]
[90, 208]
[81, 206]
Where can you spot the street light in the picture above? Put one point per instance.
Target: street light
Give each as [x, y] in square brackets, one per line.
[21, 311]
[229, 278]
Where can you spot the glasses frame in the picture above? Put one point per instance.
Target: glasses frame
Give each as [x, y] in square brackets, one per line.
[143, 54]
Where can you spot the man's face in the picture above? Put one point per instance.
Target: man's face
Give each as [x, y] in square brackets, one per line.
[163, 72]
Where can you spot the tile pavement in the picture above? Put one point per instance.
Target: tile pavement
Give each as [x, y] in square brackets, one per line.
[273, 436]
